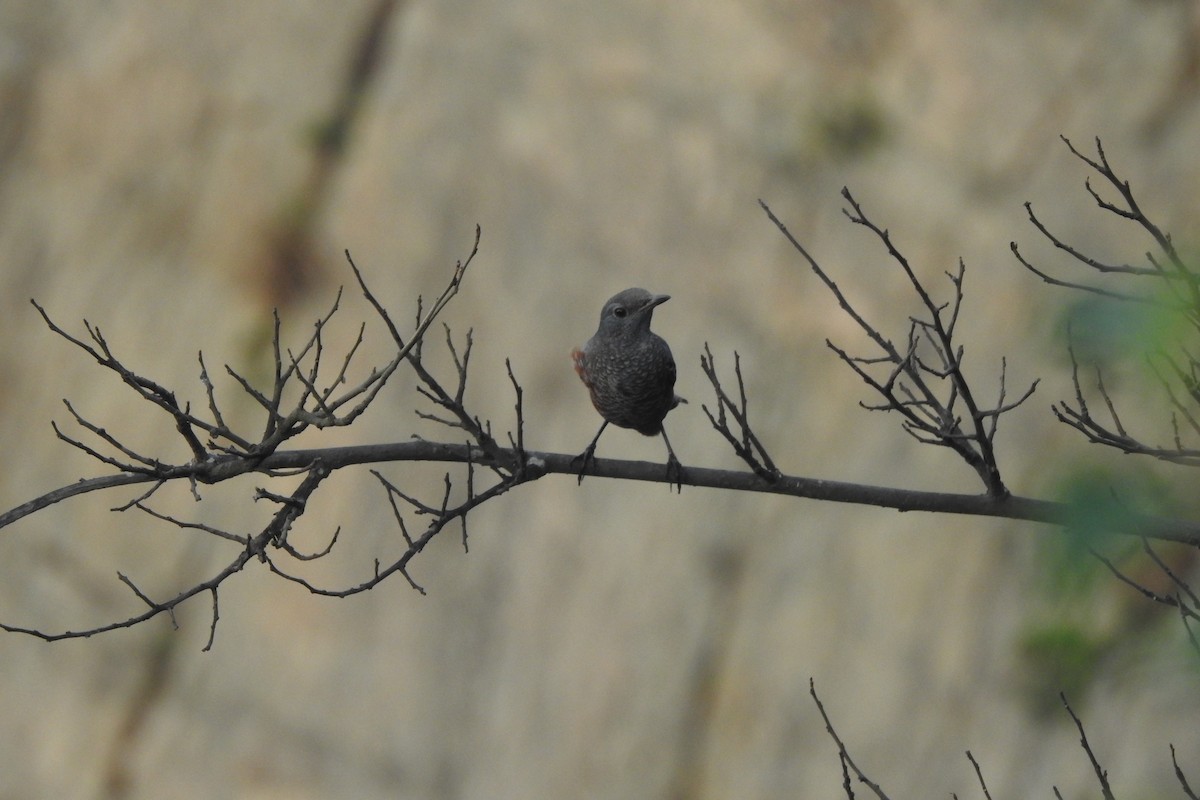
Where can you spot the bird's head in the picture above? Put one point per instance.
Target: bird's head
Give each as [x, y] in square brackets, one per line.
[629, 312]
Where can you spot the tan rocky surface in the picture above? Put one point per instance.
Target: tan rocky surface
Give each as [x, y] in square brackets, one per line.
[162, 174]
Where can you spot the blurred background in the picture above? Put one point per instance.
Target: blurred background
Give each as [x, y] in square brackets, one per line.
[173, 172]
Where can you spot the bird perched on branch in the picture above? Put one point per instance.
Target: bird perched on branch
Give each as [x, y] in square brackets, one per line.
[630, 373]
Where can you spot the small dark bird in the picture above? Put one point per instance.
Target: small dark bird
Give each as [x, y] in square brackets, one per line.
[630, 373]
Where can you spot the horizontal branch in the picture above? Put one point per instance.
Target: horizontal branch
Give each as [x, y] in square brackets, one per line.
[537, 464]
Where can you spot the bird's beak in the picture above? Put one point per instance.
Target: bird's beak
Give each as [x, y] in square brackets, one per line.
[654, 301]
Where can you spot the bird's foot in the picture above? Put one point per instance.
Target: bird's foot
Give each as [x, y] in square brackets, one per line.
[675, 473]
[585, 459]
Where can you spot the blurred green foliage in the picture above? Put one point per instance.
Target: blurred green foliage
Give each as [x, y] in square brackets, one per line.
[1087, 615]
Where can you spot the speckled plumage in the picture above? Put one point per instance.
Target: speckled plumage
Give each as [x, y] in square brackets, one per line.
[629, 371]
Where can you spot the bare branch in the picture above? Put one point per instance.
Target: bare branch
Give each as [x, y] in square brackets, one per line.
[222, 534]
[539, 463]
[1082, 287]
[212, 628]
[1101, 774]
[1080, 418]
[1180, 776]
[979, 774]
[843, 753]
[745, 442]
[926, 390]
[1178, 293]
[158, 608]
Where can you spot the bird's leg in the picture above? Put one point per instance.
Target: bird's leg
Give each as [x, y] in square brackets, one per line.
[675, 472]
[588, 456]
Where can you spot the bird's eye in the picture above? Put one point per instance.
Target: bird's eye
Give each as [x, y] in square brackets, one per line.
[619, 312]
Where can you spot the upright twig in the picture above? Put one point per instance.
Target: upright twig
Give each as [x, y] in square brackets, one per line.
[744, 441]
[931, 392]
[1101, 773]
